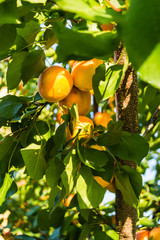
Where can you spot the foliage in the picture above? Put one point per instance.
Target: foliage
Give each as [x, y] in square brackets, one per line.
[33, 146]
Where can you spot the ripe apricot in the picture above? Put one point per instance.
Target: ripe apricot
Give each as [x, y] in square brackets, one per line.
[142, 235]
[58, 117]
[82, 73]
[55, 83]
[84, 124]
[82, 98]
[155, 233]
[107, 185]
[71, 63]
[107, 27]
[102, 118]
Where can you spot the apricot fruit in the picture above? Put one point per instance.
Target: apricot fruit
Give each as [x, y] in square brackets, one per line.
[84, 124]
[55, 83]
[71, 63]
[102, 119]
[82, 73]
[142, 235]
[155, 233]
[81, 98]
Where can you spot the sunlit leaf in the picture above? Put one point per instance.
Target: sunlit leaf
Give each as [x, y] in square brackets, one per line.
[142, 39]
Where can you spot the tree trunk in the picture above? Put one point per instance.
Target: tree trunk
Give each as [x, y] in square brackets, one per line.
[126, 111]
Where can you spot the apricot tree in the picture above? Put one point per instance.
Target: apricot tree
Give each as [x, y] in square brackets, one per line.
[58, 172]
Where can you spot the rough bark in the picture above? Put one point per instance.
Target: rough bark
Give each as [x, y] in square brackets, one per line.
[126, 111]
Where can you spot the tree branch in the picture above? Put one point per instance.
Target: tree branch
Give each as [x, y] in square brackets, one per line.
[152, 122]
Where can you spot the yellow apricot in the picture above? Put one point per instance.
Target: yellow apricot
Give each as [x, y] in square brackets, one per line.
[81, 98]
[82, 73]
[55, 83]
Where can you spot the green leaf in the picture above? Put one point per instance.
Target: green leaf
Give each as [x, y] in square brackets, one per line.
[43, 220]
[23, 237]
[84, 44]
[144, 55]
[9, 106]
[146, 222]
[34, 161]
[8, 12]
[7, 36]
[101, 235]
[135, 179]
[84, 232]
[113, 134]
[106, 87]
[90, 193]
[52, 197]
[123, 184]
[7, 182]
[132, 147]
[26, 36]
[90, 10]
[32, 65]
[35, 1]
[112, 235]
[57, 217]
[93, 158]
[68, 176]
[10, 153]
[54, 171]
[14, 69]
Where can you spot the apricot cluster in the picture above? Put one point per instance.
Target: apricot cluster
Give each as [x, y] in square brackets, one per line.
[154, 234]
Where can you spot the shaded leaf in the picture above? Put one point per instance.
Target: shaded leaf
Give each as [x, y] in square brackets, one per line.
[90, 193]
[26, 36]
[8, 12]
[34, 161]
[123, 184]
[14, 69]
[84, 44]
[93, 158]
[32, 65]
[54, 171]
[132, 147]
[7, 36]
[135, 179]
[113, 134]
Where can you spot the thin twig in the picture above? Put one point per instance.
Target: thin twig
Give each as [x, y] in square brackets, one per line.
[152, 122]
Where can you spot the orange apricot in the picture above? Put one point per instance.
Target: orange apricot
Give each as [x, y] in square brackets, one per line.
[81, 98]
[82, 73]
[58, 117]
[142, 235]
[102, 119]
[155, 233]
[55, 83]
[84, 124]
[71, 63]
